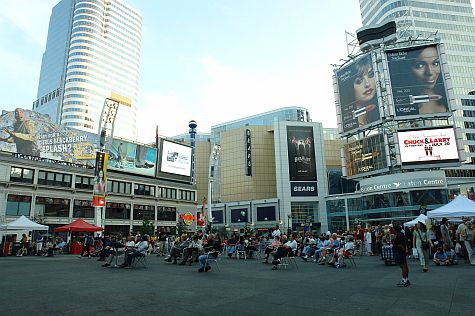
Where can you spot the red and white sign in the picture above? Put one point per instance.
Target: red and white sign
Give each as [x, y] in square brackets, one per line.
[428, 146]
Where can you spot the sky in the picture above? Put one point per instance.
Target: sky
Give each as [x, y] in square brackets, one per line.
[212, 61]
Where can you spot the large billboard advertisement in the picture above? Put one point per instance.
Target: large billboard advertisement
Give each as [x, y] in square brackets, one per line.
[356, 84]
[428, 146]
[365, 156]
[32, 134]
[417, 82]
[176, 159]
[131, 157]
[301, 154]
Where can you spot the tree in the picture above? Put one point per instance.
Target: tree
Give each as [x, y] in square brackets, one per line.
[147, 227]
[181, 227]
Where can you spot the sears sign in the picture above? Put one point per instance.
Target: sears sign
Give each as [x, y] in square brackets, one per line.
[303, 188]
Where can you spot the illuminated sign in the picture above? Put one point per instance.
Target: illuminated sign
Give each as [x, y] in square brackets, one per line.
[365, 155]
[428, 146]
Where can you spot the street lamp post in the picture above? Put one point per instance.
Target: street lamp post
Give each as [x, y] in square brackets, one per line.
[213, 158]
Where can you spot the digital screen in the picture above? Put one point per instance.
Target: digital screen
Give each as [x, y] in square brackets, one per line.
[417, 82]
[428, 146]
[134, 158]
[365, 155]
[357, 93]
[176, 159]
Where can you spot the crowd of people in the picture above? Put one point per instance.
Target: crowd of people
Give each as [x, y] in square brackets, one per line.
[441, 244]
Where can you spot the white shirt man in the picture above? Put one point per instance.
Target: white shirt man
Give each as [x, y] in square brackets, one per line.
[276, 232]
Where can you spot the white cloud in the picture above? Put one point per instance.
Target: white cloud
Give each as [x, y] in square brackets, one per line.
[233, 93]
[163, 110]
[29, 17]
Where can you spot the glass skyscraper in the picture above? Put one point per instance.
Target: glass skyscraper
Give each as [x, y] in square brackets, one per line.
[453, 22]
[92, 52]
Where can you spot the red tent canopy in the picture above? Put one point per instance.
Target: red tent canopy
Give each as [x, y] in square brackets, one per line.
[78, 225]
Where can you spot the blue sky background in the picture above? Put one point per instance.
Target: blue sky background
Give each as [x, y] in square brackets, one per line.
[208, 60]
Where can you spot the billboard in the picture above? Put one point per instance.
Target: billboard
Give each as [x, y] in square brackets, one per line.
[100, 180]
[131, 157]
[176, 159]
[33, 134]
[356, 87]
[428, 146]
[301, 155]
[367, 155]
[417, 82]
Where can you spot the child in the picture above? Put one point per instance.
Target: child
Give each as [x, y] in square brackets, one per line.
[440, 258]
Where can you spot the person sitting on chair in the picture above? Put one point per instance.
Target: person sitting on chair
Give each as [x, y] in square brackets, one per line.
[334, 244]
[271, 248]
[140, 249]
[231, 246]
[24, 246]
[286, 250]
[189, 251]
[212, 249]
[116, 244]
[178, 249]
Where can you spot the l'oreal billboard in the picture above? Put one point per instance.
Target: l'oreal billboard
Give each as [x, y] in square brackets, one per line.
[417, 82]
[356, 91]
[428, 146]
[366, 156]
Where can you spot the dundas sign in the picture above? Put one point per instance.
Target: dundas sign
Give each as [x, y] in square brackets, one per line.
[394, 182]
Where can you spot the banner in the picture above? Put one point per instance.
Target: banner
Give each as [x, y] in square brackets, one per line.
[358, 104]
[417, 82]
[100, 180]
[428, 146]
[32, 134]
[301, 153]
[131, 157]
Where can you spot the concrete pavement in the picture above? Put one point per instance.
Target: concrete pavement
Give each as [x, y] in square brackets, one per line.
[68, 285]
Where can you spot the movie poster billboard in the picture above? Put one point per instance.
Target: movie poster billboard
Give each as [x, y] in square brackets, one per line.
[366, 156]
[428, 146]
[131, 157]
[176, 159]
[301, 155]
[417, 82]
[358, 101]
[32, 134]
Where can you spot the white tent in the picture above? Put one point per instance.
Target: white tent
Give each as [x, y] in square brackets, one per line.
[22, 223]
[420, 218]
[460, 206]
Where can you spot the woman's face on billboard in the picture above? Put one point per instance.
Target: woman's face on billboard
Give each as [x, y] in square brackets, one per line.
[364, 86]
[426, 67]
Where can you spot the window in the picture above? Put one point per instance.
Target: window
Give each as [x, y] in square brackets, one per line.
[187, 195]
[119, 187]
[86, 183]
[142, 189]
[54, 179]
[239, 215]
[18, 205]
[168, 193]
[83, 209]
[117, 211]
[166, 213]
[22, 175]
[142, 212]
[52, 207]
[218, 217]
[266, 213]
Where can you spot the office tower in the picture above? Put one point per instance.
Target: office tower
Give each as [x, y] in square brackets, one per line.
[453, 23]
[92, 53]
